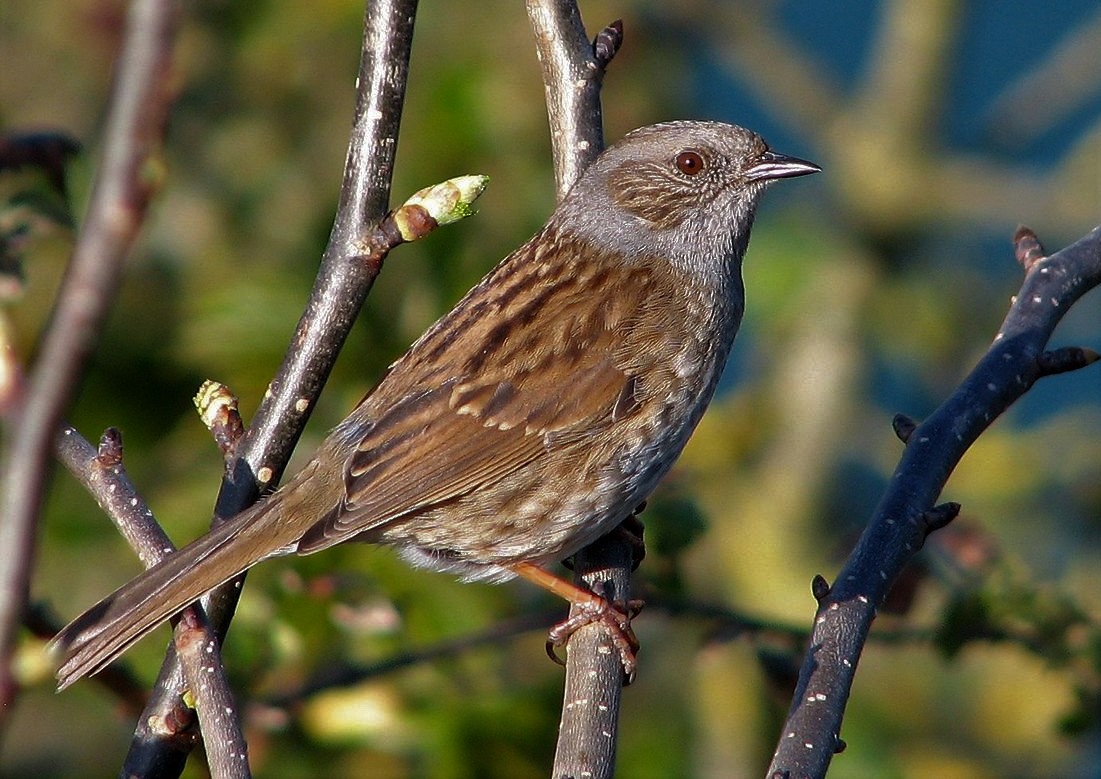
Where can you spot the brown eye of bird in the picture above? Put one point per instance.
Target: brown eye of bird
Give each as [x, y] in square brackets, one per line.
[689, 163]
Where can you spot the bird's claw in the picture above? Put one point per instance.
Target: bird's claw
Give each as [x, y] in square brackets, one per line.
[616, 620]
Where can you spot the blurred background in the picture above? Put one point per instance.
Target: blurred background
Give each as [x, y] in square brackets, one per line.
[872, 289]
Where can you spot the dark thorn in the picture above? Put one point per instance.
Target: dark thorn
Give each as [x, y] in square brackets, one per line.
[840, 746]
[1069, 358]
[939, 516]
[819, 587]
[904, 427]
[607, 42]
[1027, 247]
[109, 453]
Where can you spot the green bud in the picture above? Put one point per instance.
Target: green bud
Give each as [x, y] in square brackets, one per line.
[443, 203]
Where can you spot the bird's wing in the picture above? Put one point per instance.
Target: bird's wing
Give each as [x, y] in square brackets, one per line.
[527, 363]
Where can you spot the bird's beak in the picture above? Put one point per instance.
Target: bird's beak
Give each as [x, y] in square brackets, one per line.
[779, 166]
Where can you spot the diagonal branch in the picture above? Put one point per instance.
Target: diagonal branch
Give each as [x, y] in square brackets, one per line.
[907, 512]
[348, 270]
[101, 471]
[134, 130]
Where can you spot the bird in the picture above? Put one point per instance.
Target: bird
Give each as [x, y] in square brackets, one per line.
[531, 419]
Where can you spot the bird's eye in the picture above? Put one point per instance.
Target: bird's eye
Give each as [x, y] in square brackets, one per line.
[689, 163]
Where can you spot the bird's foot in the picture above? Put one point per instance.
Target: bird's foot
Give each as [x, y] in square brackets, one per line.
[589, 607]
[615, 618]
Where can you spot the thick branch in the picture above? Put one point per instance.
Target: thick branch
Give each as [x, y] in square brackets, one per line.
[907, 512]
[133, 133]
[573, 70]
[589, 726]
[572, 75]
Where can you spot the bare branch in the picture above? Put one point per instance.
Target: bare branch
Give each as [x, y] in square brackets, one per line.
[1064, 80]
[343, 676]
[572, 75]
[906, 512]
[573, 70]
[200, 656]
[589, 726]
[348, 269]
[101, 472]
[433, 206]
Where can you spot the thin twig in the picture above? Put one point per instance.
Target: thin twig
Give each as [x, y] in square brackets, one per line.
[334, 676]
[102, 473]
[907, 511]
[195, 645]
[122, 189]
[199, 652]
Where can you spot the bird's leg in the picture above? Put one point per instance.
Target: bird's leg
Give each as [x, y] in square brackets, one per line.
[590, 608]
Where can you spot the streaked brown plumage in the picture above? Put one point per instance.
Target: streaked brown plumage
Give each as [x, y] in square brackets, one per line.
[538, 413]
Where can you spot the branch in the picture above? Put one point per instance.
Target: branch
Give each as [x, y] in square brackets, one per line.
[134, 130]
[907, 511]
[1062, 82]
[335, 675]
[589, 725]
[426, 210]
[348, 270]
[572, 75]
[102, 474]
[573, 70]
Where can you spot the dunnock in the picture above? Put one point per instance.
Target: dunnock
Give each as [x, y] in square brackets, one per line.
[536, 415]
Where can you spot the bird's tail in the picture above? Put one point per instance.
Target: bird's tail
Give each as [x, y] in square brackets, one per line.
[110, 627]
